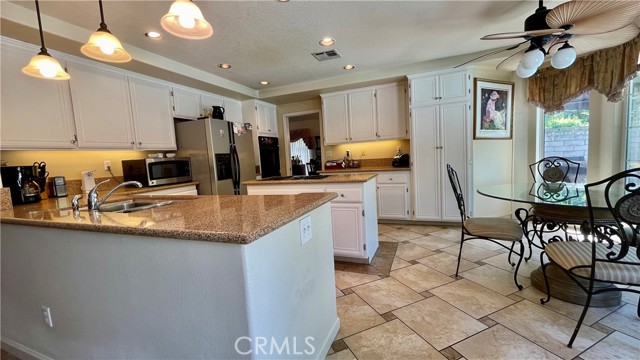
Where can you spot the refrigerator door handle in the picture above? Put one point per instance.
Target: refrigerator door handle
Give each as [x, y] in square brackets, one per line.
[235, 169]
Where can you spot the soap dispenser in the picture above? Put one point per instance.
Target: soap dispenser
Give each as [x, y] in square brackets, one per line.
[88, 181]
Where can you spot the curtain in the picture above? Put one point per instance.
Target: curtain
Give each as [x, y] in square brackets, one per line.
[304, 134]
[607, 71]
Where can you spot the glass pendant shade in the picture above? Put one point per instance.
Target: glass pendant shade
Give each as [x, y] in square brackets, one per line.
[564, 57]
[185, 20]
[524, 72]
[532, 59]
[45, 67]
[103, 46]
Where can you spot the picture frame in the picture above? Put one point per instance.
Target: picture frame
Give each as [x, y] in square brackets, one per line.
[493, 109]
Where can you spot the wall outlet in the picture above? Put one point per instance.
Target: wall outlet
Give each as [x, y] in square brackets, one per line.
[305, 230]
[329, 153]
[107, 165]
[46, 316]
[362, 154]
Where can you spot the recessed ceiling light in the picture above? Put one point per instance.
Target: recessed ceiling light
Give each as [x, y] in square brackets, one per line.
[327, 41]
[153, 35]
[224, 66]
[349, 67]
[264, 82]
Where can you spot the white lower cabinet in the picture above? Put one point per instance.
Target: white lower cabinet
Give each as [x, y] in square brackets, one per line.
[182, 190]
[393, 195]
[347, 230]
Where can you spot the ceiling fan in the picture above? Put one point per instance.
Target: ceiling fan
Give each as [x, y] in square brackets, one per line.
[570, 29]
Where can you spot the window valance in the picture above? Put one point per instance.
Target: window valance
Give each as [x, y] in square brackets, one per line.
[305, 134]
[607, 71]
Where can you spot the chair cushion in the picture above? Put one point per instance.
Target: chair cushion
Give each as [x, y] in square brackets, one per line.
[494, 228]
[568, 254]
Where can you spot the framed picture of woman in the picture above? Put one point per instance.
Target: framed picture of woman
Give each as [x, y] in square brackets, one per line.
[493, 109]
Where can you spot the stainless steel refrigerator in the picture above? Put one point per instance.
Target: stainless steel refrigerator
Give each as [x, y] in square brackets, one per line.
[221, 154]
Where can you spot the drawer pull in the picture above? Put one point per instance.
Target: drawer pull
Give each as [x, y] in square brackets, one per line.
[341, 195]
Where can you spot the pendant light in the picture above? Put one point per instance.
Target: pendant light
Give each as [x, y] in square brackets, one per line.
[43, 65]
[102, 45]
[185, 20]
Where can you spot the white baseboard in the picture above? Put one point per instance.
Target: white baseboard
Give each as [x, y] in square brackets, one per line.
[21, 351]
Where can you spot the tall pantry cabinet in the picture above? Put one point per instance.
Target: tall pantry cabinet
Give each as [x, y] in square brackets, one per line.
[440, 104]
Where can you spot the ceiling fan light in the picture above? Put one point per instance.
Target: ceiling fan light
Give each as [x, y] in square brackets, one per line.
[532, 59]
[45, 67]
[103, 46]
[185, 20]
[524, 72]
[564, 57]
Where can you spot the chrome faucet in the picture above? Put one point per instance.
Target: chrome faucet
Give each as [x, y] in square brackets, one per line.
[94, 203]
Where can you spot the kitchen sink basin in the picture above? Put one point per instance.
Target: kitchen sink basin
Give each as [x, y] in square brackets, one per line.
[128, 206]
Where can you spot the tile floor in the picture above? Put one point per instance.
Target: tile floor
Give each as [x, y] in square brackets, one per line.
[408, 305]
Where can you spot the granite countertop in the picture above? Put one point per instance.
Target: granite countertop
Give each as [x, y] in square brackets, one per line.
[238, 219]
[366, 169]
[344, 178]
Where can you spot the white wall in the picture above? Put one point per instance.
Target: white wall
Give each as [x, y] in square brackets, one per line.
[119, 296]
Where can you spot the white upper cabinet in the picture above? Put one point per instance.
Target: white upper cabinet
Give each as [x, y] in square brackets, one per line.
[391, 112]
[266, 119]
[186, 103]
[35, 113]
[101, 107]
[233, 110]
[152, 115]
[439, 88]
[367, 114]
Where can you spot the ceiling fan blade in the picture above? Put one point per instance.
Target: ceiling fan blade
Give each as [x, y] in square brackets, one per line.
[512, 47]
[594, 16]
[523, 34]
[511, 63]
[588, 43]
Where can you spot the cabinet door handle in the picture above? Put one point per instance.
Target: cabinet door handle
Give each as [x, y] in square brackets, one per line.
[132, 143]
[341, 195]
[139, 142]
[75, 139]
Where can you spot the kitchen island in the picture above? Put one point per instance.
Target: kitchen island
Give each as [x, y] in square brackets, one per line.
[206, 277]
[353, 213]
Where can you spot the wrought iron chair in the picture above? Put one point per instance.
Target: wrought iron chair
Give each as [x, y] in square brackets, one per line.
[487, 228]
[550, 175]
[612, 255]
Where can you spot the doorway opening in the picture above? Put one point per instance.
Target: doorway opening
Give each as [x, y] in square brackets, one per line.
[303, 142]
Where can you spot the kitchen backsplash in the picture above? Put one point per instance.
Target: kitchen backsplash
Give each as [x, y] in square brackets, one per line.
[367, 150]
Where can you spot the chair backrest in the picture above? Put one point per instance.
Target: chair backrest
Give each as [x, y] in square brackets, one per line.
[457, 191]
[621, 193]
[555, 169]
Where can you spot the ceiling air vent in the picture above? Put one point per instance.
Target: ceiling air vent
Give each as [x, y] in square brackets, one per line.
[326, 55]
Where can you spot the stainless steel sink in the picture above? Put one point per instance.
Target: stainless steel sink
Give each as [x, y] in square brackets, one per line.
[134, 205]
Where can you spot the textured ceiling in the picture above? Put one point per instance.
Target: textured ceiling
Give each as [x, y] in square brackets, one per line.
[269, 40]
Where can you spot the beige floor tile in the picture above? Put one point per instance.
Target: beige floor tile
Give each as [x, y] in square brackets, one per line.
[355, 315]
[345, 280]
[496, 279]
[470, 252]
[624, 320]
[438, 322]
[399, 263]
[383, 237]
[499, 342]
[412, 251]
[338, 292]
[392, 340]
[502, 261]
[546, 328]
[433, 242]
[488, 245]
[452, 234]
[342, 355]
[614, 346]
[446, 263]
[422, 229]
[402, 234]
[382, 228]
[472, 298]
[629, 297]
[420, 278]
[386, 294]
[570, 310]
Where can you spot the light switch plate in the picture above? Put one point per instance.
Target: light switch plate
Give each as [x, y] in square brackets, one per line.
[305, 230]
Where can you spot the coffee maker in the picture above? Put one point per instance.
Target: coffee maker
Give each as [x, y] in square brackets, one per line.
[22, 182]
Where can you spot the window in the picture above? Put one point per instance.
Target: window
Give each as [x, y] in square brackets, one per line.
[566, 133]
[632, 153]
[299, 150]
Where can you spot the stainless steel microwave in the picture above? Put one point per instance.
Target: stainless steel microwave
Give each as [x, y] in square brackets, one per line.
[157, 171]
